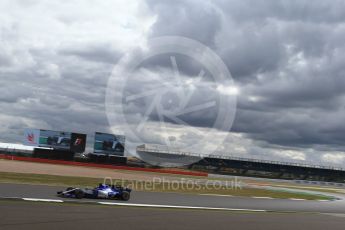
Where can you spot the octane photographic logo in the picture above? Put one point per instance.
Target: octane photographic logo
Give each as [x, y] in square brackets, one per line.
[151, 100]
[178, 184]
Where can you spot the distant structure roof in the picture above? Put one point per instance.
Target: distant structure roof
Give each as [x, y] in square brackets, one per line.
[175, 151]
[10, 146]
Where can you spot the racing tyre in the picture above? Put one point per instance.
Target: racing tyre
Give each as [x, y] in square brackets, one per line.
[125, 195]
[79, 194]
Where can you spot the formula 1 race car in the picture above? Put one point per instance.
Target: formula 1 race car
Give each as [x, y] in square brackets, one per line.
[103, 191]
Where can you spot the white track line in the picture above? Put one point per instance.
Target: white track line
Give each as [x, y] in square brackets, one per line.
[158, 205]
[263, 197]
[254, 197]
[181, 207]
[43, 200]
[210, 194]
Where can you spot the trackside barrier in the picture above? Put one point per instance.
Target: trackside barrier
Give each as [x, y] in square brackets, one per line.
[75, 163]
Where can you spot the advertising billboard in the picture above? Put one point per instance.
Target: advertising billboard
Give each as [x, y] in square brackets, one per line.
[109, 144]
[78, 142]
[55, 139]
[31, 137]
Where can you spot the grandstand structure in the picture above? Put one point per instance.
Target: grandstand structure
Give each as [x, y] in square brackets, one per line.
[231, 165]
[165, 156]
[269, 169]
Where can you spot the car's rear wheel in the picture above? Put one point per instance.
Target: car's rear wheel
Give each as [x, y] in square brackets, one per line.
[125, 195]
[79, 194]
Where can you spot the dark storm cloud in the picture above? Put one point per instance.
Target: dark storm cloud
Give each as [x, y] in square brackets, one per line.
[193, 19]
[286, 57]
[55, 62]
[69, 105]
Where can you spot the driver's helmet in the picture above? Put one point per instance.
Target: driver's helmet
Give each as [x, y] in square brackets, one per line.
[102, 186]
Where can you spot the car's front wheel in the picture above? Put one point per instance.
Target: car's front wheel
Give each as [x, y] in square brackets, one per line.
[125, 195]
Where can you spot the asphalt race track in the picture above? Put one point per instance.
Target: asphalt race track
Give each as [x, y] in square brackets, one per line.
[88, 214]
[32, 215]
[193, 200]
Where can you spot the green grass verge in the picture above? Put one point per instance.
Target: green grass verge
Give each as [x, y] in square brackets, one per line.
[23, 178]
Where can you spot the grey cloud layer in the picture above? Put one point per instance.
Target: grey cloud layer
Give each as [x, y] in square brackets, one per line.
[287, 59]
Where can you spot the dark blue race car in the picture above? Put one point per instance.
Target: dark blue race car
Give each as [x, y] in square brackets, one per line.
[103, 191]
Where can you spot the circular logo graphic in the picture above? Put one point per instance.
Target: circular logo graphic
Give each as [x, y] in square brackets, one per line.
[173, 98]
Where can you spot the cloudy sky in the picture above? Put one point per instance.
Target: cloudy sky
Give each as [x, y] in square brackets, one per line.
[286, 59]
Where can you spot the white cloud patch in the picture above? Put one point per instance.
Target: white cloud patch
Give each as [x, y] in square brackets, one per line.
[336, 158]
